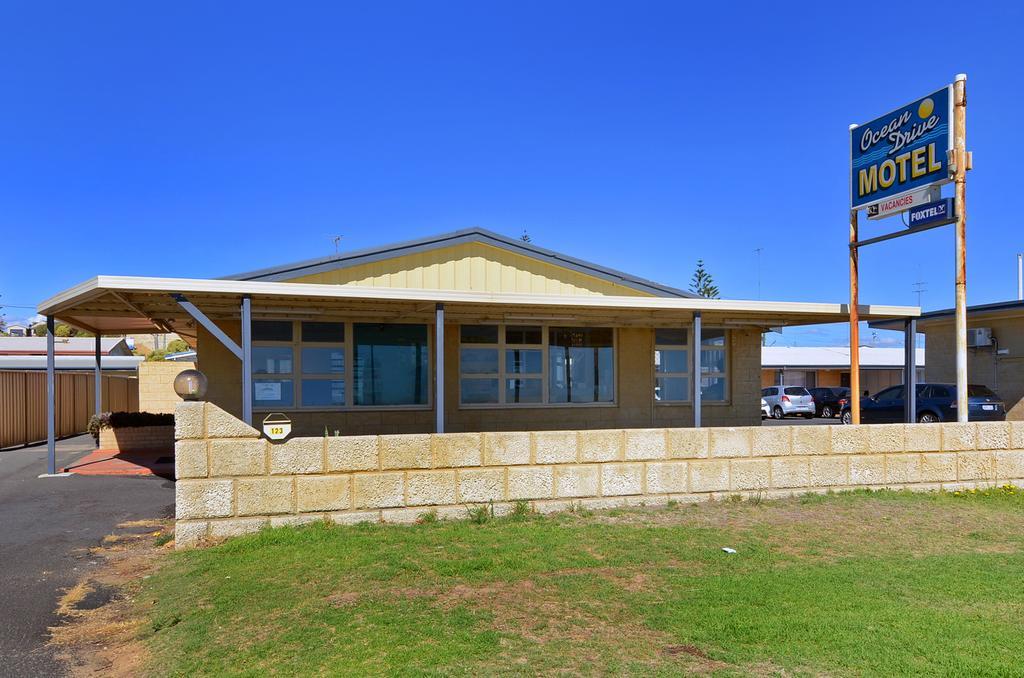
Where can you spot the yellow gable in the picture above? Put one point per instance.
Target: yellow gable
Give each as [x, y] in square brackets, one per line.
[471, 267]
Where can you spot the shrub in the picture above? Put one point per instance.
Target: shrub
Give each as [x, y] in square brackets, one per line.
[177, 346]
[117, 420]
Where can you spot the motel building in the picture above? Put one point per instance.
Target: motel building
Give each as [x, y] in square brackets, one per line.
[995, 349]
[465, 331]
[817, 366]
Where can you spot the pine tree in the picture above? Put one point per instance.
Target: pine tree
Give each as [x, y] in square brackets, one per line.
[702, 283]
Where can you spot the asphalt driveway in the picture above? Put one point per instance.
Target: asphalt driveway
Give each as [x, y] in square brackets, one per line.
[46, 528]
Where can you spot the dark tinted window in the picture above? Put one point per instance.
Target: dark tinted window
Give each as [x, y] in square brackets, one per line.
[390, 364]
[979, 392]
[522, 334]
[271, 330]
[323, 332]
[796, 391]
[936, 392]
[671, 336]
[479, 334]
[580, 336]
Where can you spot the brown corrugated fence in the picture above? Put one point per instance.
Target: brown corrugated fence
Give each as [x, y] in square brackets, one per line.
[23, 403]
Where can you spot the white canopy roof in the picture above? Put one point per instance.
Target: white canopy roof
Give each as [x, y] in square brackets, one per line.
[833, 357]
[116, 304]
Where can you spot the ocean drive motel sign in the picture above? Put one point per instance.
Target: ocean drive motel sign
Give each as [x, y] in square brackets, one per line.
[903, 151]
[898, 162]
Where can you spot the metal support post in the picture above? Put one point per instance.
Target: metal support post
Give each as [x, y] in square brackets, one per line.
[51, 399]
[439, 367]
[247, 360]
[854, 321]
[696, 369]
[910, 370]
[98, 385]
[960, 178]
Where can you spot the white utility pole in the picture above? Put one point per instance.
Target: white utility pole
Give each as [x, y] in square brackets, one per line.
[1020, 277]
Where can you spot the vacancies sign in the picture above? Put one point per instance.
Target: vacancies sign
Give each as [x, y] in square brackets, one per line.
[902, 151]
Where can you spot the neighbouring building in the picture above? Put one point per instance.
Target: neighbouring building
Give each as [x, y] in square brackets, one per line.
[465, 331]
[72, 353]
[145, 343]
[995, 349]
[813, 366]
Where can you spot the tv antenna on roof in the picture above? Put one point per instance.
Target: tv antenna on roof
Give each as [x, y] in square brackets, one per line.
[757, 251]
[919, 289]
[336, 239]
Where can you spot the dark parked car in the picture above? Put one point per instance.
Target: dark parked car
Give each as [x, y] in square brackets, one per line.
[935, 402]
[829, 400]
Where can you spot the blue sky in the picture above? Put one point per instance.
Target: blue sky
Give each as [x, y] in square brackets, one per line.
[200, 139]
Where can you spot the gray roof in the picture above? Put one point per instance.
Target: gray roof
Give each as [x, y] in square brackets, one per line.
[470, 235]
[925, 318]
[65, 345]
[70, 362]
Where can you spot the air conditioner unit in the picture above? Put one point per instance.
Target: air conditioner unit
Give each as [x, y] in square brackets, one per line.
[979, 336]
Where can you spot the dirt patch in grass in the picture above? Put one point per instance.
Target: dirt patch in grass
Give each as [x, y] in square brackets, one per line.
[539, 614]
[99, 633]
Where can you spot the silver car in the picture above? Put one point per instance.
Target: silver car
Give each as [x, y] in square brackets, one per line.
[786, 401]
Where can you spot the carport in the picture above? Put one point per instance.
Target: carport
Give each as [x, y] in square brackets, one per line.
[193, 307]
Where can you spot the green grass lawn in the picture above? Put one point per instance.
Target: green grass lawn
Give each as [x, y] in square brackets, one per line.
[847, 584]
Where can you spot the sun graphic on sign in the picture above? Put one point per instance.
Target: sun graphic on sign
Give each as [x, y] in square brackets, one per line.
[926, 108]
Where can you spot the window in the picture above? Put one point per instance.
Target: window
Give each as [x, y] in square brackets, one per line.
[893, 393]
[713, 386]
[528, 365]
[307, 364]
[673, 366]
[323, 364]
[501, 364]
[390, 364]
[806, 378]
[523, 374]
[580, 365]
[273, 364]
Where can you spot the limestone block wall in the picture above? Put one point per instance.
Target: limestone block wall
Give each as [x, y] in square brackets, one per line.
[138, 439]
[156, 385]
[232, 481]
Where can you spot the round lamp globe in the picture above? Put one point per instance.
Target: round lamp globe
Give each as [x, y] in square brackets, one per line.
[190, 385]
